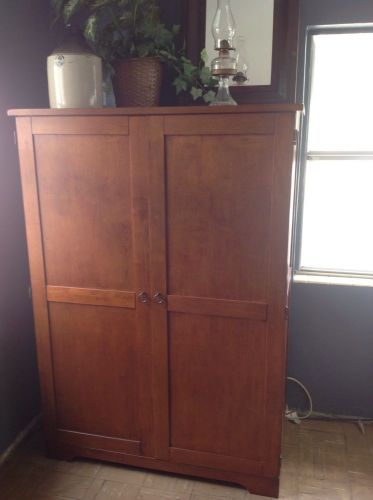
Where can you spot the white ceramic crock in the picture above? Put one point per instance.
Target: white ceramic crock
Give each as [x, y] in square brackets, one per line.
[74, 76]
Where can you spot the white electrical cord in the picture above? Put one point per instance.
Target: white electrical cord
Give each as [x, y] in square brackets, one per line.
[309, 413]
[293, 416]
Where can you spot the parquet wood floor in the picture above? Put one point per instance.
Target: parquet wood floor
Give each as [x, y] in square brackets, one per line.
[321, 461]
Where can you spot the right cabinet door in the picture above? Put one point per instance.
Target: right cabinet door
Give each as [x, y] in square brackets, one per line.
[228, 190]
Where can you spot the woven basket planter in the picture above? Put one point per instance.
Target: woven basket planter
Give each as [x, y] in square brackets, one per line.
[137, 82]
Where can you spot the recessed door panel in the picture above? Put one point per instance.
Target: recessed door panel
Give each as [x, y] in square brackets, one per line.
[95, 369]
[85, 204]
[218, 213]
[217, 384]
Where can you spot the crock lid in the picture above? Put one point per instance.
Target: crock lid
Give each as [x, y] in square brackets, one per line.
[73, 43]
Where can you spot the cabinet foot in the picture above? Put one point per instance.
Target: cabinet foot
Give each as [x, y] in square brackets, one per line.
[268, 487]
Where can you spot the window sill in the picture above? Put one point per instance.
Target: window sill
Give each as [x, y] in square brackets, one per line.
[332, 280]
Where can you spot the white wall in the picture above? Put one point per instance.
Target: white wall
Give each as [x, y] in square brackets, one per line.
[254, 20]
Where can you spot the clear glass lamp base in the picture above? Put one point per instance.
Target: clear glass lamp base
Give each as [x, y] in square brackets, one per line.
[223, 96]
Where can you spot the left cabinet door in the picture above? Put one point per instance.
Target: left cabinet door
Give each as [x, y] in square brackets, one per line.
[86, 224]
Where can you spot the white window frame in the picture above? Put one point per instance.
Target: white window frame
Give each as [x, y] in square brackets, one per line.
[306, 274]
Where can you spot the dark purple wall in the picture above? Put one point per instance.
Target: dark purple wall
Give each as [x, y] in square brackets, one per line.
[331, 327]
[25, 41]
[331, 348]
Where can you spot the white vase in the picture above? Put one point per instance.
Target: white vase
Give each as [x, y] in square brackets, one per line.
[74, 75]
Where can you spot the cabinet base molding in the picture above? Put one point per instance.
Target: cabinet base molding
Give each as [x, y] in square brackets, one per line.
[100, 442]
[266, 486]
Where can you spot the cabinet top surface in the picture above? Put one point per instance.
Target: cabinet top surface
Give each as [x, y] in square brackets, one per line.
[165, 110]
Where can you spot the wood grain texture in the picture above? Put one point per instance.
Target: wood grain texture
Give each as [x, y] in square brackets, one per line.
[37, 272]
[85, 204]
[277, 280]
[148, 160]
[217, 461]
[91, 234]
[218, 386]
[218, 307]
[115, 125]
[89, 296]
[99, 442]
[154, 158]
[218, 215]
[95, 370]
[223, 214]
[143, 157]
[217, 125]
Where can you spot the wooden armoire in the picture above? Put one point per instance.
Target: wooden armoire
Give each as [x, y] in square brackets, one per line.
[158, 246]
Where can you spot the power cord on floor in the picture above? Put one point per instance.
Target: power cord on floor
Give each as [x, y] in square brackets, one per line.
[293, 415]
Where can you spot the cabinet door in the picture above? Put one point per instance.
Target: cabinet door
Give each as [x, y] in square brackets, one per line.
[227, 203]
[90, 224]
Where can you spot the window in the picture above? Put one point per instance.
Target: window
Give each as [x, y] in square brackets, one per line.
[336, 220]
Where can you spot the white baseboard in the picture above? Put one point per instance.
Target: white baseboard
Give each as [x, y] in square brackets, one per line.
[20, 437]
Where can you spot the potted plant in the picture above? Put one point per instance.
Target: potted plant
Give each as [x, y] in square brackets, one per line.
[191, 81]
[131, 38]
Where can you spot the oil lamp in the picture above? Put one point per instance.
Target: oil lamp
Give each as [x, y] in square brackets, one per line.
[224, 66]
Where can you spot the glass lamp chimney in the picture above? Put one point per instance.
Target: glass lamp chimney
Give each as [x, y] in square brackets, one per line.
[223, 25]
[224, 65]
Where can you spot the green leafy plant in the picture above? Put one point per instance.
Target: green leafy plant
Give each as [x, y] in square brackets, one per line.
[118, 29]
[195, 79]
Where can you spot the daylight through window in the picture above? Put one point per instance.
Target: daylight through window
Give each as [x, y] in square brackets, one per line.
[337, 216]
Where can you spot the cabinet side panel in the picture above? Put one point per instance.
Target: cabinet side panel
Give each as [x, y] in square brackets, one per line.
[278, 279]
[37, 273]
